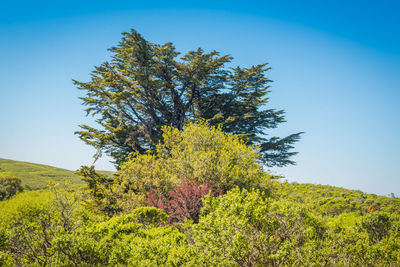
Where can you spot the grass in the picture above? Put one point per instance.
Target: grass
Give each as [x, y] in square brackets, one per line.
[36, 176]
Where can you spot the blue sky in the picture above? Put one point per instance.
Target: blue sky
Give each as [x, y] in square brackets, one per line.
[335, 66]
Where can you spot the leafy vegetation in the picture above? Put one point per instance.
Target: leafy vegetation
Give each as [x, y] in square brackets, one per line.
[200, 152]
[189, 204]
[240, 228]
[184, 201]
[9, 186]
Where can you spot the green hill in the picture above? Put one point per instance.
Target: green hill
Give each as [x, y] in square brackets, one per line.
[36, 176]
[331, 201]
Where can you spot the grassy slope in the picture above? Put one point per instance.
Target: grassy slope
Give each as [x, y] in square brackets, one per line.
[329, 200]
[37, 175]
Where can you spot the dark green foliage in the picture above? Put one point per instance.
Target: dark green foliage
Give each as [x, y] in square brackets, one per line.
[149, 215]
[99, 187]
[377, 225]
[146, 86]
[9, 186]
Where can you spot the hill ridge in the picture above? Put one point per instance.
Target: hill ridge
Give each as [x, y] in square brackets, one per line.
[36, 175]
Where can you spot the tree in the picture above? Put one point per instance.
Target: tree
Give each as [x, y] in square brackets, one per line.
[146, 86]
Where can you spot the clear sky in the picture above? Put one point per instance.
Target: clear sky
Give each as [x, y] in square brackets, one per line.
[335, 66]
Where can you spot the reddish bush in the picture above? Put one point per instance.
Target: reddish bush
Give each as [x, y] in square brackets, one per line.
[184, 201]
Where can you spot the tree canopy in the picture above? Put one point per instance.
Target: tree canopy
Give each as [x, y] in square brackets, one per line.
[146, 86]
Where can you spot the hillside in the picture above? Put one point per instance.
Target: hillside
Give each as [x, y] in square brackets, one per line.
[332, 201]
[36, 176]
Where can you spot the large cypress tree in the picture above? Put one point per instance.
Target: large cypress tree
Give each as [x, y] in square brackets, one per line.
[145, 86]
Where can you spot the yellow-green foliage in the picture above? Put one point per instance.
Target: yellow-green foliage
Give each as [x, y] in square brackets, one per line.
[25, 220]
[35, 200]
[198, 152]
[135, 239]
[240, 228]
[332, 201]
[30, 221]
[246, 229]
[343, 221]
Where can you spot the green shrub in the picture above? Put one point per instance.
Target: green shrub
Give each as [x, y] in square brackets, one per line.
[246, 229]
[149, 215]
[199, 152]
[9, 187]
[376, 224]
[33, 219]
[125, 241]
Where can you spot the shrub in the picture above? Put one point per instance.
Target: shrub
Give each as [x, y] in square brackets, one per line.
[33, 220]
[201, 152]
[184, 201]
[149, 215]
[9, 187]
[246, 229]
[376, 224]
[125, 241]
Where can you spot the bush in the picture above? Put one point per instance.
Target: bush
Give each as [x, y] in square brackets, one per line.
[125, 241]
[33, 220]
[9, 187]
[201, 152]
[246, 229]
[149, 215]
[184, 201]
[376, 224]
